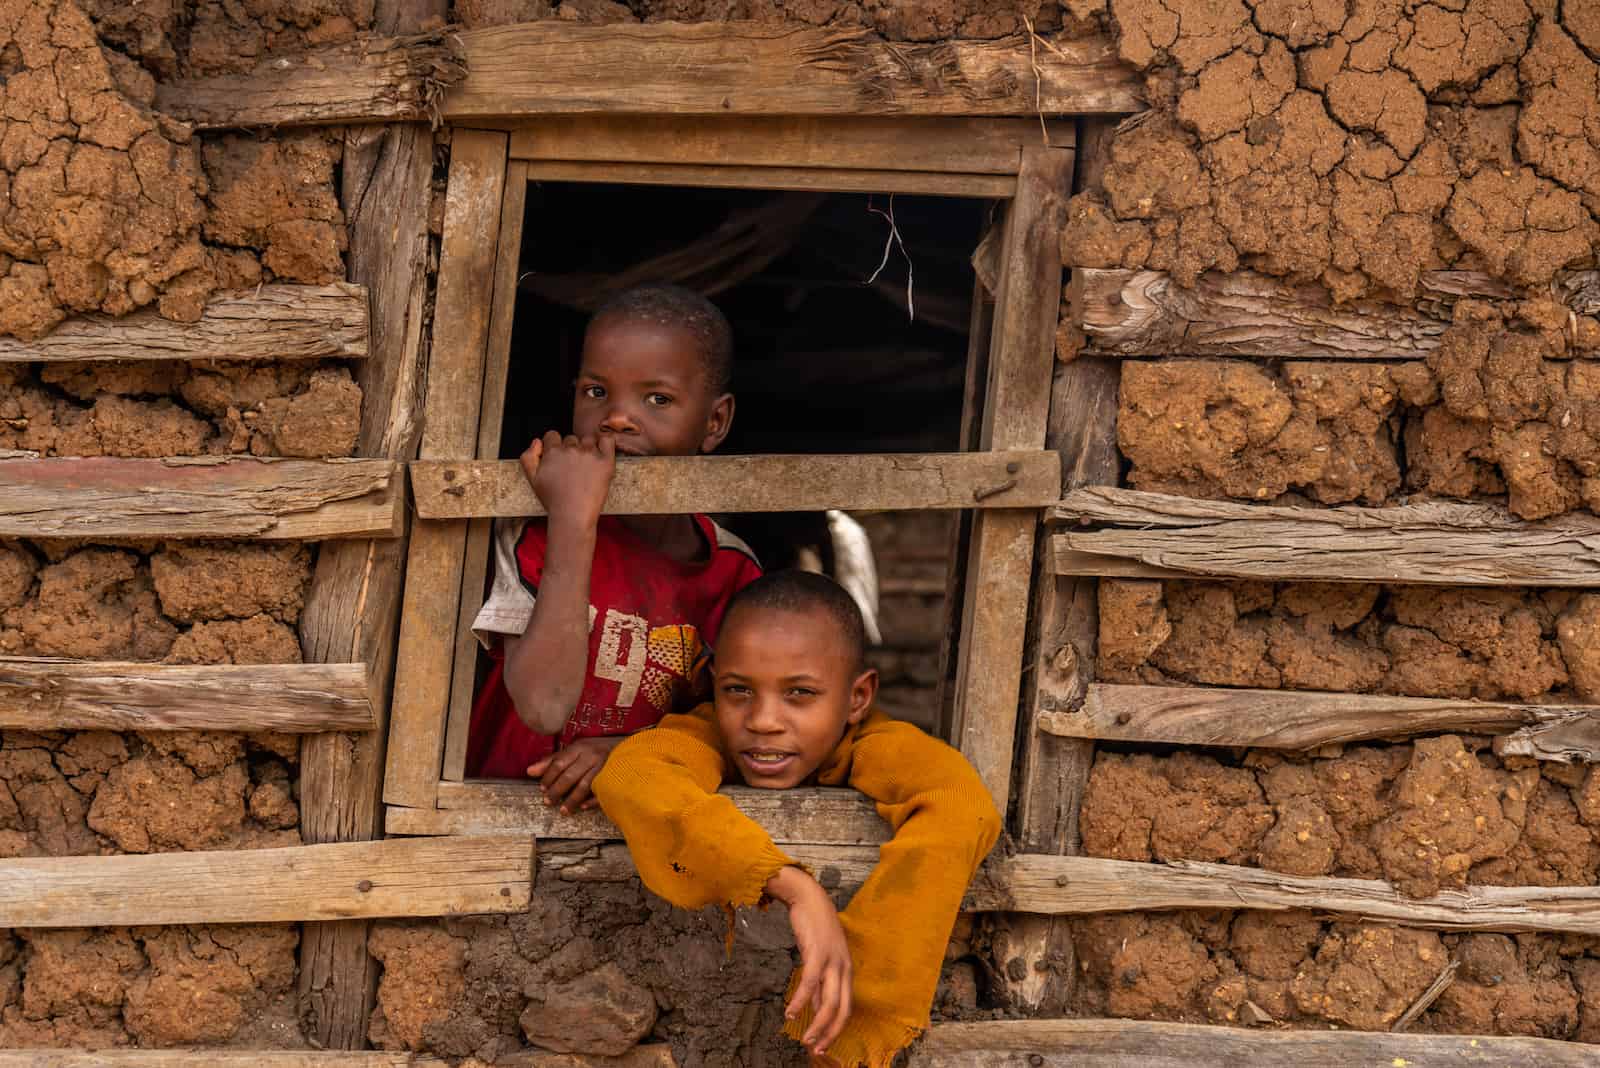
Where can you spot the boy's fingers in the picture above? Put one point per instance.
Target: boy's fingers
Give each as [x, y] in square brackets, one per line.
[842, 1014]
[802, 993]
[538, 767]
[608, 447]
[827, 1007]
[582, 793]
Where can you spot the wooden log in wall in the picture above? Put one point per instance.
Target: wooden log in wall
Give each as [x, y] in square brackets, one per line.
[1150, 1044]
[1145, 313]
[1155, 535]
[273, 322]
[370, 79]
[751, 68]
[214, 1058]
[816, 816]
[661, 485]
[41, 694]
[200, 497]
[1298, 719]
[398, 877]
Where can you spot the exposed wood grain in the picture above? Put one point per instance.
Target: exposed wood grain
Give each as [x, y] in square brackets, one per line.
[817, 816]
[1158, 535]
[1016, 406]
[222, 497]
[353, 605]
[664, 485]
[1297, 719]
[466, 298]
[1144, 313]
[399, 877]
[42, 694]
[274, 322]
[934, 145]
[370, 79]
[475, 564]
[1146, 1044]
[804, 179]
[220, 1058]
[750, 68]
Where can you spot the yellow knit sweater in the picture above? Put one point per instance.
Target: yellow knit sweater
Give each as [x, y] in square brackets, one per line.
[694, 848]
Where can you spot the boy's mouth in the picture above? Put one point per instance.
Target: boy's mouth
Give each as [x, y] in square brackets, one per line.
[766, 762]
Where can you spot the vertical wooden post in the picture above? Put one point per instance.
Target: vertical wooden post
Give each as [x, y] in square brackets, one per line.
[473, 202]
[1000, 559]
[352, 607]
[1034, 955]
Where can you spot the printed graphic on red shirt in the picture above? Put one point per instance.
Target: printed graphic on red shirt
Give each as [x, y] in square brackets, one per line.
[651, 622]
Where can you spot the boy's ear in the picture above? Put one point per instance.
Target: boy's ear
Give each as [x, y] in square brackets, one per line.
[862, 693]
[718, 423]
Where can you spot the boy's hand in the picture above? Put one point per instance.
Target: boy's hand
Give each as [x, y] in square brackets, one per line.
[569, 476]
[825, 970]
[565, 775]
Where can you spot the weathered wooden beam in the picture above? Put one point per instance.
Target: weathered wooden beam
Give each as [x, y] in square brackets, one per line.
[1298, 719]
[274, 322]
[220, 1058]
[42, 694]
[815, 816]
[1148, 1044]
[802, 179]
[397, 877]
[1145, 313]
[1157, 535]
[370, 79]
[760, 68]
[675, 484]
[855, 142]
[200, 497]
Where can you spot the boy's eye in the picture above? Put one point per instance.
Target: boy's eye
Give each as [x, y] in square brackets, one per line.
[592, 391]
[734, 689]
[658, 400]
[802, 691]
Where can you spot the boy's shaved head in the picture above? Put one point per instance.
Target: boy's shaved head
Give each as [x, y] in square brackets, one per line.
[806, 591]
[675, 306]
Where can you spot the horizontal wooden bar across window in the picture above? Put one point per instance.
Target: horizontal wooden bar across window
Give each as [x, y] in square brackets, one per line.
[761, 68]
[817, 816]
[200, 497]
[1157, 535]
[809, 179]
[345, 880]
[664, 485]
[1150, 1044]
[849, 142]
[370, 79]
[218, 1058]
[1297, 719]
[276, 322]
[1145, 313]
[42, 694]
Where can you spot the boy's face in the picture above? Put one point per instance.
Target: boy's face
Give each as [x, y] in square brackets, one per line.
[786, 685]
[645, 384]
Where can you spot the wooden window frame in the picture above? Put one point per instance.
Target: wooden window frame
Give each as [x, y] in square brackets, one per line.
[459, 483]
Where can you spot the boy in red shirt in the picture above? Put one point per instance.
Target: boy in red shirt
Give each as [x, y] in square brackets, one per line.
[598, 625]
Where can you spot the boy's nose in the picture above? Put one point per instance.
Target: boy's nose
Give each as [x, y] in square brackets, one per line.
[619, 421]
[763, 718]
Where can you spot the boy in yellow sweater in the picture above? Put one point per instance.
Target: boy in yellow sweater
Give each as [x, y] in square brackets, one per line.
[793, 706]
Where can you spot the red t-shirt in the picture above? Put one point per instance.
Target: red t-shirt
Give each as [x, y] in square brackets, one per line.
[651, 622]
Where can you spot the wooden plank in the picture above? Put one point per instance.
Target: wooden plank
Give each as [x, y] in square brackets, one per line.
[1016, 405]
[399, 877]
[817, 816]
[435, 563]
[1298, 719]
[480, 532]
[220, 1058]
[768, 68]
[200, 497]
[659, 485]
[934, 145]
[272, 322]
[43, 694]
[1430, 542]
[1148, 1044]
[1143, 313]
[369, 79]
[353, 605]
[805, 179]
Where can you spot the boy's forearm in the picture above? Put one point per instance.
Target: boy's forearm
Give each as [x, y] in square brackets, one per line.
[544, 669]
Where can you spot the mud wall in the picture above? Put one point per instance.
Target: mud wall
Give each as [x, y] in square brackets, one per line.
[1354, 144]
